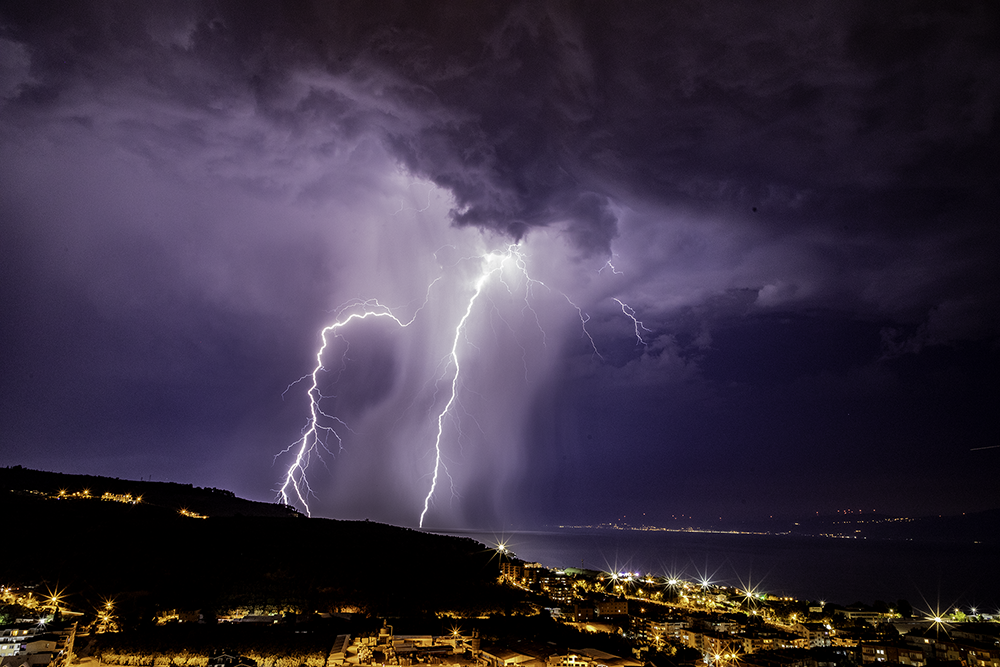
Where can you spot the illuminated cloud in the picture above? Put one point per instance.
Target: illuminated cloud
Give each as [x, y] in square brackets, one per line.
[798, 203]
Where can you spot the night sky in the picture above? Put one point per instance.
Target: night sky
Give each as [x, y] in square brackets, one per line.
[798, 200]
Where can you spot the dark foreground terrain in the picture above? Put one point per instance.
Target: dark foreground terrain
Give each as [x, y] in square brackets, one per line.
[254, 555]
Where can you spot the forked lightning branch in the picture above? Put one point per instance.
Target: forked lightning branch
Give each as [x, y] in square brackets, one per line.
[324, 431]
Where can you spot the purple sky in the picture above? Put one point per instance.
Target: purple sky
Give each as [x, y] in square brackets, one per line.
[800, 203]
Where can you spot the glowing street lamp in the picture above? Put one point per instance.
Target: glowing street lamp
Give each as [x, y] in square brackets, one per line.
[54, 599]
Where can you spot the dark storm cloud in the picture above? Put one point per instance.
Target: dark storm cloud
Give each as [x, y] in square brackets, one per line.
[875, 128]
[848, 117]
[802, 196]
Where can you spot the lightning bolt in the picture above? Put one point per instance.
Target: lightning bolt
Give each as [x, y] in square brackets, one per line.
[630, 313]
[480, 283]
[494, 264]
[627, 309]
[609, 265]
[322, 428]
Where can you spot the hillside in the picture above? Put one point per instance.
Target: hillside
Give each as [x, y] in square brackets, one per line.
[152, 553]
[169, 495]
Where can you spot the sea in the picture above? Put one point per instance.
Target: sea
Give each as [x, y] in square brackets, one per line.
[932, 577]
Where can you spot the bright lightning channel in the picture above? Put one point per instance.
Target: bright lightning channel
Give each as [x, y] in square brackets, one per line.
[609, 265]
[494, 264]
[316, 433]
[626, 309]
[630, 313]
[480, 282]
[321, 426]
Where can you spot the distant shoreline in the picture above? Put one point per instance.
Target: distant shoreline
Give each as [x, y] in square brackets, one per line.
[806, 567]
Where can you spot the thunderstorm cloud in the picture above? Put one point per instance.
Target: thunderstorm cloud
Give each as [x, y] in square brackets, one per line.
[798, 200]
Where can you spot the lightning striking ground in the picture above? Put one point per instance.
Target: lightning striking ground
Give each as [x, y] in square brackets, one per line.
[494, 265]
[480, 282]
[316, 433]
[321, 426]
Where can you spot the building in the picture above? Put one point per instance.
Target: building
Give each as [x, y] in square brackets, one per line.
[894, 652]
[658, 630]
[579, 613]
[590, 657]
[36, 644]
[559, 588]
[779, 658]
[513, 571]
[230, 659]
[492, 655]
[711, 643]
[771, 640]
[817, 635]
[338, 653]
[614, 607]
[945, 648]
[13, 637]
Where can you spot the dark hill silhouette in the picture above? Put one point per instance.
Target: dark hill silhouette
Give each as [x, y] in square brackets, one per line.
[173, 496]
[149, 551]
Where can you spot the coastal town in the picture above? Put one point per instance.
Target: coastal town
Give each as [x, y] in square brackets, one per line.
[648, 620]
[169, 575]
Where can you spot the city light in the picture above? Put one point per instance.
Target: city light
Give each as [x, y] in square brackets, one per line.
[55, 598]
